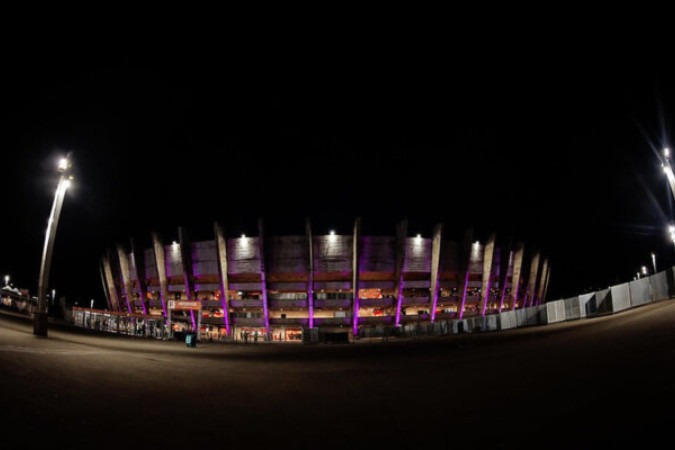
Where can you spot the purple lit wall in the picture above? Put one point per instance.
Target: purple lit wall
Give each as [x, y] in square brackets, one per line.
[204, 262]
[333, 254]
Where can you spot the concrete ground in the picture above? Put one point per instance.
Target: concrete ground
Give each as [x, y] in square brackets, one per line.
[604, 382]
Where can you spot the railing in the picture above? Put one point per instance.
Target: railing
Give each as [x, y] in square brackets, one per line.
[408, 301]
[376, 302]
[287, 303]
[251, 321]
[247, 303]
[385, 320]
[289, 321]
[332, 321]
[325, 303]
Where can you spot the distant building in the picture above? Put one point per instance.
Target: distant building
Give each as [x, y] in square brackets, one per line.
[290, 288]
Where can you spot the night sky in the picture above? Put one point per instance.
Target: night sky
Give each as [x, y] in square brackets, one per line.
[560, 151]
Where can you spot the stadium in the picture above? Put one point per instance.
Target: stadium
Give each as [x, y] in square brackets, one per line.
[313, 288]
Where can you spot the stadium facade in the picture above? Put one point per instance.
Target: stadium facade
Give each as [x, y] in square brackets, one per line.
[312, 287]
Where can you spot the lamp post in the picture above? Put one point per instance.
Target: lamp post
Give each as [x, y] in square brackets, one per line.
[40, 318]
[668, 169]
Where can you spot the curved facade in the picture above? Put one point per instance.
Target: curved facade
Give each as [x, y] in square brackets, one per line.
[307, 286]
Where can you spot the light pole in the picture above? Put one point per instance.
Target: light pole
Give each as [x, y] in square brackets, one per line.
[40, 318]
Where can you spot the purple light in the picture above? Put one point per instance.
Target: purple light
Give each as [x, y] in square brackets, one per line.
[192, 318]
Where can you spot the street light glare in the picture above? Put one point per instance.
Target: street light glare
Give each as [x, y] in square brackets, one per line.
[666, 152]
[63, 164]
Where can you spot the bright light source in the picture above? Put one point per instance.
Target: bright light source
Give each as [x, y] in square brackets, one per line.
[332, 232]
[63, 164]
[666, 152]
[243, 236]
[419, 236]
[644, 270]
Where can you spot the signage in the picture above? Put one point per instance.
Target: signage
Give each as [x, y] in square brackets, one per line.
[184, 305]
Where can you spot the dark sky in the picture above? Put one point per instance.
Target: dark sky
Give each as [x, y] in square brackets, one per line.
[556, 150]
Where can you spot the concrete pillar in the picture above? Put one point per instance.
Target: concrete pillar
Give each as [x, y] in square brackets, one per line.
[401, 233]
[263, 282]
[548, 278]
[310, 272]
[532, 281]
[104, 283]
[542, 282]
[186, 263]
[505, 261]
[114, 302]
[435, 263]
[221, 248]
[160, 262]
[126, 278]
[464, 261]
[518, 253]
[488, 257]
[355, 276]
[139, 265]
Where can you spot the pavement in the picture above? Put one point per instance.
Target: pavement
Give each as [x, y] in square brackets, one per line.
[606, 382]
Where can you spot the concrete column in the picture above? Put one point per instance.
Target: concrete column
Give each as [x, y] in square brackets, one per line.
[310, 272]
[505, 261]
[126, 278]
[401, 233]
[464, 261]
[542, 282]
[160, 262]
[355, 276]
[435, 263]
[515, 277]
[263, 282]
[548, 277]
[104, 283]
[221, 247]
[186, 263]
[139, 264]
[113, 298]
[532, 281]
[488, 257]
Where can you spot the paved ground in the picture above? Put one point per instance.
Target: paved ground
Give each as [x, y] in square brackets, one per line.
[606, 382]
